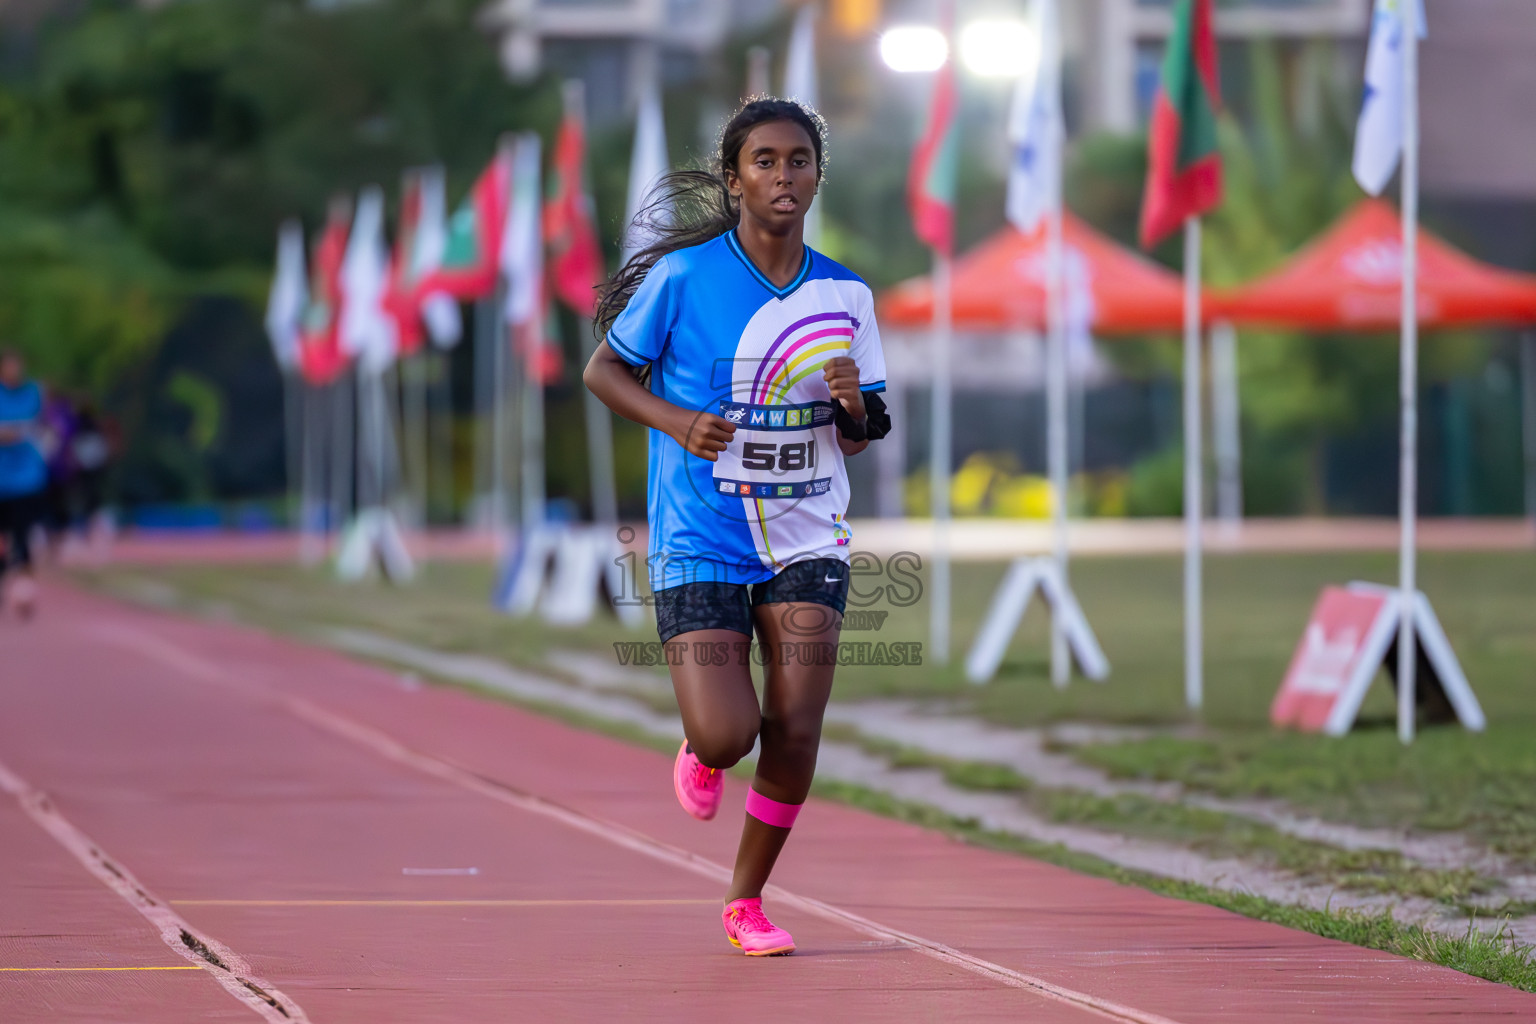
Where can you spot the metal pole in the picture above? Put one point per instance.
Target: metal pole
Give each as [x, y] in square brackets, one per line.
[413, 378]
[293, 467]
[940, 434]
[533, 434]
[891, 452]
[605, 498]
[1407, 649]
[758, 59]
[342, 476]
[1226, 426]
[485, 393]
[1194, 644]
[1056, 428]
[312, 469]
[443, 448]
[500, 350]
[1528, 420]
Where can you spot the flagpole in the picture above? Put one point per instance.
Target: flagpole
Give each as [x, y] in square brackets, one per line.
[499, 448]
[533, 437]
[342, 474]
[1528, 421]
[1056, 424]
[1226, 427]
[940, 428]
[485, 398]
[1194, 663]
[441, 445]
[293, 470]
[1407, 648]
[605, 499]
[311, 547]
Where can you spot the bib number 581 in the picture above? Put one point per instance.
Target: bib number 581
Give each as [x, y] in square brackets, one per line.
[786, 458]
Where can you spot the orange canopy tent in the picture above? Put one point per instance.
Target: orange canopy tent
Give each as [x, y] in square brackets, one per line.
[1350, 278]
[1000, 285]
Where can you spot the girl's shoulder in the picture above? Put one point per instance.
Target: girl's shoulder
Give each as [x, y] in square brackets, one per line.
[825, 266]
[694, 260]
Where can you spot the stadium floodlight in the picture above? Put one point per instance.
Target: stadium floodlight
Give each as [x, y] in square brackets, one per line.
[999, 48]
[914, 48]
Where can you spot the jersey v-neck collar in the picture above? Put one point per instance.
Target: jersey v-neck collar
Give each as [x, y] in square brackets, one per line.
[762, 279]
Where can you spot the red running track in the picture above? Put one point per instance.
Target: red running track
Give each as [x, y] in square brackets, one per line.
[352, 850]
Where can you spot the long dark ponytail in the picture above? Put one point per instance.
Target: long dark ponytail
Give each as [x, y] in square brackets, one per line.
[690, 207]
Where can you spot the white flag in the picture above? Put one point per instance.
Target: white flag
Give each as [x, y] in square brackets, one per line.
[522, 245]
[1379, 134]
[440, 312]
[367, 331]
[800, 84]
[289, 296]
[647, 164]
[1036, 133]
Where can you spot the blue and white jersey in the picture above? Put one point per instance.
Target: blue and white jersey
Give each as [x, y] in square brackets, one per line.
[22, 469]
[724, 340]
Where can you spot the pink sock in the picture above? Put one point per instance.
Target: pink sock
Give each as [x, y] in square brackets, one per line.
[771, 812]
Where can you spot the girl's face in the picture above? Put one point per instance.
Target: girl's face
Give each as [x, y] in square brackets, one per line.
[775, 175]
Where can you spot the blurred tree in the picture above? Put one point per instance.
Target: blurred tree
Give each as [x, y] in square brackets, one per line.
[147, 155]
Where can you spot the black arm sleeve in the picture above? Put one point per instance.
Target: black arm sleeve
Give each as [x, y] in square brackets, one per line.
[877, 421]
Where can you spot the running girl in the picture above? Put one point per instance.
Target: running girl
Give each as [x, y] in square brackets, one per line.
[764, 365]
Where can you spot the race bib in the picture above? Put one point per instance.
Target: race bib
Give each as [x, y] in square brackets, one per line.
[776, 453]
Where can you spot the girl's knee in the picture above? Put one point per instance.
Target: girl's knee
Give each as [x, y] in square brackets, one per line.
[721, 749]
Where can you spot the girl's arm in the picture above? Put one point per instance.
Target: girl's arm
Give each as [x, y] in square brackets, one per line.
[842, 376]
[612, 380]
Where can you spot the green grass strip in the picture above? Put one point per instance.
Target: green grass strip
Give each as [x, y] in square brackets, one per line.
[1496, 957]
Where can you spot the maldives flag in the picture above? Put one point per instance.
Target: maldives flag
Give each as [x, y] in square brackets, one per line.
[471, 258]
[321, 357]
[570, 229]
[403, 297]
[1183, 164]
[931, 181]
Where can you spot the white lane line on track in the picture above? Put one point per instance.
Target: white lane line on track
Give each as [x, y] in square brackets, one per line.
[613, 832]
[232, 972]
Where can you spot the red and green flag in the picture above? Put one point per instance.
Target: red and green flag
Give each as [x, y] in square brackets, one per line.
[935, 161]
[403, 297]
[570, 224]
[472, 256]
[321, 357]
[1183, 163]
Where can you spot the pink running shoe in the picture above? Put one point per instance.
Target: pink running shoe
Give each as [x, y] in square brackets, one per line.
[699, 788]
[750, 931]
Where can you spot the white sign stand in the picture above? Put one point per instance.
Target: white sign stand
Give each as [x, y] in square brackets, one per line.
[562, 572]
[374, 537]
[1009, 604]
[1434, 650]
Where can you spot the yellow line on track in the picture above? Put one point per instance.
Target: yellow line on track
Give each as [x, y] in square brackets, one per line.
[186, 968]
[442, 903]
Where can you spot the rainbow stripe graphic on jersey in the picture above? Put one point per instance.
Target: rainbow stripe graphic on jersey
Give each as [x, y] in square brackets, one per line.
[802, 342]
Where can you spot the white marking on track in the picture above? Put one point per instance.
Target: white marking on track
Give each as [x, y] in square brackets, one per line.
[439, 871]
[233, 973]
[612, 832]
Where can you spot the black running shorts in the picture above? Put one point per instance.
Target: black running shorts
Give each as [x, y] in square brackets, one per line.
[695, 606]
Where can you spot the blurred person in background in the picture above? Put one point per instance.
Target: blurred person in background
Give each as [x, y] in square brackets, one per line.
[23, 480]
[91, 447]
[57, 446]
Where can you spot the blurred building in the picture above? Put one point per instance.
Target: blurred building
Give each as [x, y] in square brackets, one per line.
[616, 46]
[1122, 42]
